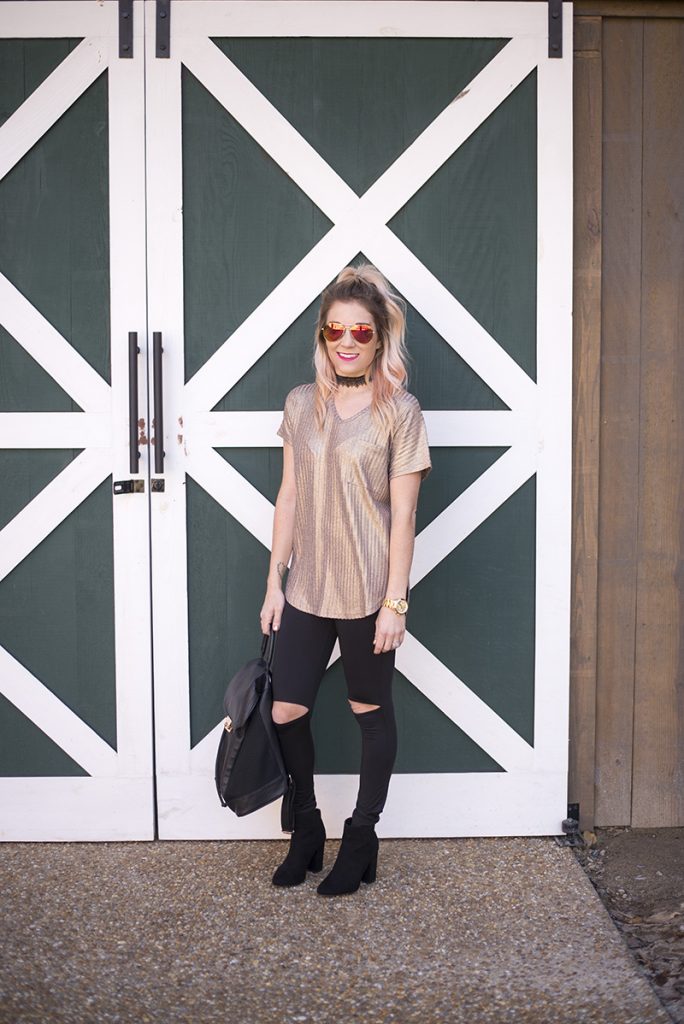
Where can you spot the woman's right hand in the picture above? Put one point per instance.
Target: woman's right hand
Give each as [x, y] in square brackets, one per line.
[272, 610]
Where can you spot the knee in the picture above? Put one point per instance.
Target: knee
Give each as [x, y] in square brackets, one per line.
[283, 712]
[358, 708]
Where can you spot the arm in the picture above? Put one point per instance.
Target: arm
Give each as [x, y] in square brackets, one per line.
[281, 546]
[390, 627]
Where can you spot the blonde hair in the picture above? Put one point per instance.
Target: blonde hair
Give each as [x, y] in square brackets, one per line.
[388, 373]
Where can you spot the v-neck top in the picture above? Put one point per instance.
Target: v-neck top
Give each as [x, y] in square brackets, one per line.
[340, 549]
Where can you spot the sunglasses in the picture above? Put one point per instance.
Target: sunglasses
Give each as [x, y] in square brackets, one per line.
[362, 333]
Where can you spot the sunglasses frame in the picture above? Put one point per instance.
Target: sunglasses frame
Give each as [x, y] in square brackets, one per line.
[347, 327]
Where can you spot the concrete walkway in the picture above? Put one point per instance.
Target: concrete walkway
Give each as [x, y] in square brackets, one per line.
[453, 930]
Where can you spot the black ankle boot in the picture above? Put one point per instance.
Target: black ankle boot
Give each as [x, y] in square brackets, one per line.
[356, 862]
[306, 849]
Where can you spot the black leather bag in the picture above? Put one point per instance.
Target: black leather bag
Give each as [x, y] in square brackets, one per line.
[250, 772]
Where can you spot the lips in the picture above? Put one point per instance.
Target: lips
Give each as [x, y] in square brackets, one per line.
[349, 358]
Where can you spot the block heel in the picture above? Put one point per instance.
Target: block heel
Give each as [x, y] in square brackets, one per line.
[369, 874]
[316, 862]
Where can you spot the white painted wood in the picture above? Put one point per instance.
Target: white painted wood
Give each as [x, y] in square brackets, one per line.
[554, 375]
[76, 809]
[336, 18]
[47, 19]
[529, 797]
[435, 805]
[128, 267]
[168, 509]
[55, 430]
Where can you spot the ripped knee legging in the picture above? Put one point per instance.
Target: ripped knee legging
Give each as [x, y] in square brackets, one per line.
[302, 652]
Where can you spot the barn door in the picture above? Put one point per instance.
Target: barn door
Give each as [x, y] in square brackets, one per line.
[433, 139]
[75, 659]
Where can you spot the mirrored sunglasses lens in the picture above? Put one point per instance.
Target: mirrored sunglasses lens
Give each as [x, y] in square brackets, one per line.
[362, 334]
[333, 332]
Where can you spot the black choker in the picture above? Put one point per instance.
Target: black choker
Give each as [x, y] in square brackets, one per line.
[350, 382]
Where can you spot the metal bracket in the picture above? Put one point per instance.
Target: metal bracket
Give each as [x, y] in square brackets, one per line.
[163, 44]
[129, 487]
[555, 28]
[125, 28]
[157, 485]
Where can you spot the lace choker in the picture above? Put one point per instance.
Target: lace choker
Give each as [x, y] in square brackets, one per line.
[350, 382]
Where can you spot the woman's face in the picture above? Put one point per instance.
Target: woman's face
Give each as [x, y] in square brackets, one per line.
[351, 358]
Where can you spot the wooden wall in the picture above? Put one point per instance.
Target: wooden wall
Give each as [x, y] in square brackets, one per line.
[627, 652]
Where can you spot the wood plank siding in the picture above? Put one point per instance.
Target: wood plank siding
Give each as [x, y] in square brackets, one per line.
[627, 655]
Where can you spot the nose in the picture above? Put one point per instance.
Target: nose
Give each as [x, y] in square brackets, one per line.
[347, 339]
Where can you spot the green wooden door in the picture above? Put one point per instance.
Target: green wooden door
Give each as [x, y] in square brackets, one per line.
[75, 655]
[435, 141]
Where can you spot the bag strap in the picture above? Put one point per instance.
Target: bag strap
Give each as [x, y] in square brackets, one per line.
[268, 646]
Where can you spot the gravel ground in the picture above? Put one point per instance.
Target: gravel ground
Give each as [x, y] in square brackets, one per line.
[483, 931]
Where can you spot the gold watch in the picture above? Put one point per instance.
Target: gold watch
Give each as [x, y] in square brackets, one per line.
[397, 604]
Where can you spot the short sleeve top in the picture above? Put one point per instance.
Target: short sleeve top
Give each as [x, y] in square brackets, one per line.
[340, 552]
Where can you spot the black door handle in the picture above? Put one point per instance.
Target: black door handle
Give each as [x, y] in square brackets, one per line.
[133, 350]
[158, 403]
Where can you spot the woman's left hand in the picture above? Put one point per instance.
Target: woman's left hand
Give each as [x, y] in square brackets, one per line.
[389, 631]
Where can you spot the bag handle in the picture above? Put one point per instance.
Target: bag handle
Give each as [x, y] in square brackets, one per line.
[268, 646]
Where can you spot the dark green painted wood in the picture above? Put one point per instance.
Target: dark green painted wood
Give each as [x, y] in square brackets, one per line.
[227, 569]
[54, 211]
[438, 376]
[245, 223]
[475, 610]
[427, 740]
[57, 615]
[25, 749]
[473, 224]
[453, 470]
[283, 366]
[24, 473]
[360, 102]
[24, 65]
[25, 386]
[263, 467]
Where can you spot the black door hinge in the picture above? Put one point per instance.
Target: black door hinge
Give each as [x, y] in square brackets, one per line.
[125, 28]
[163, 40]
[555, 28]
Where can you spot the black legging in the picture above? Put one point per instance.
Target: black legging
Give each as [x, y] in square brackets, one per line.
[302, 652]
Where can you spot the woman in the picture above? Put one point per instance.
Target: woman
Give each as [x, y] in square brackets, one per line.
[354, 453]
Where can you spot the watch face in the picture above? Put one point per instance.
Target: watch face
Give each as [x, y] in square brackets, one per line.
[402, 606]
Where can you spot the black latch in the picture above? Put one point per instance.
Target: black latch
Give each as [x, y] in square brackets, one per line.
[555, 28]
[129, 487]
[163, 44]
[125, 28]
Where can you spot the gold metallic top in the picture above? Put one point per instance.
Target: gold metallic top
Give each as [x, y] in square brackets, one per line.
[340, 556]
